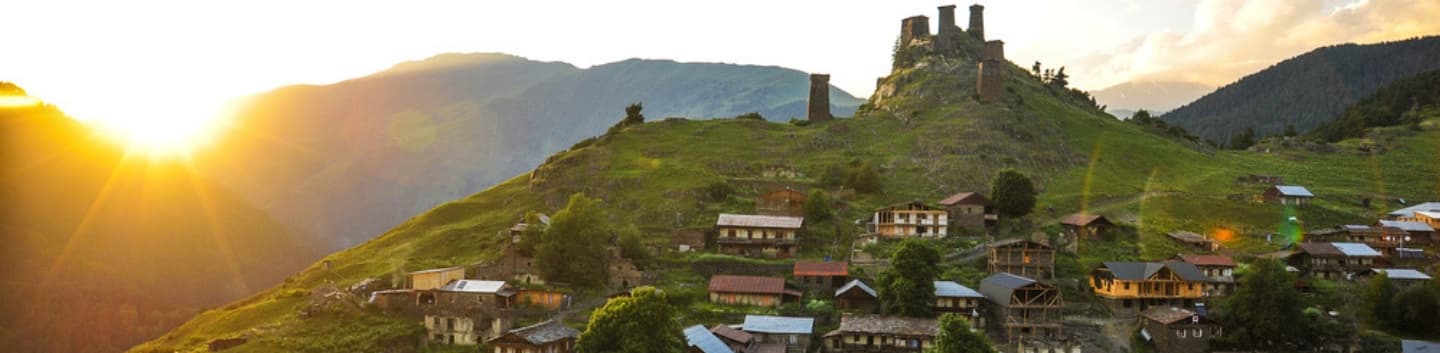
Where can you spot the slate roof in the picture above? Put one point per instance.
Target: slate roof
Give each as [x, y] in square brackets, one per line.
[1082, 219]
[950, 289]
[1208, 260]
[1420, 207]
[1403, 274]
[1167, 314]
[545, 332]
[697, 336]
[474, 286]
[887, 325]
[1408, 226]
[756, 221]
[822, 269]
[1139, 271]
[965, 198]
[747, 284]
[778, 324]
[1294, 191]
[999, 286]
[856, 284]
[727, 332]
[1356, 249]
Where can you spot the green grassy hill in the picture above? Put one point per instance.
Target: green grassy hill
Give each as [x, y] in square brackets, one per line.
[925, 132]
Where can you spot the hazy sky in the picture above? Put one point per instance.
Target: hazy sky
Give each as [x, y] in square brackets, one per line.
[119, 60]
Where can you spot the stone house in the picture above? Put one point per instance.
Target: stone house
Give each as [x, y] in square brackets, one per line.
[1288, 195]
[518, 230]
[953, 297]
[435, 278]
[881, 334]
[857, 296]
[910, 219]
[462, 312]
[1085, 226]
[750, 290]
[758, 236]
[783, 202]
[1176, 330]
[1333, 261]
[1023, 308]
[546, 337]
[970, 211]
[1218, 270]
[1418, 233]
[821, 277]
[1141, 285]
[1023, 257]
[793, 333]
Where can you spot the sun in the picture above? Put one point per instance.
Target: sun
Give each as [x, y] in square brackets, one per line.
[159, 129]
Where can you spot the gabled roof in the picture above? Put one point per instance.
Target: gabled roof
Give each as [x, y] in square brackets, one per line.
[915, 203]
[747, 284]
[544, 332]
[757, 221]
[1292, 190]
[999, 286]
[1013, 241]
[730, 333]
[474, 286]
[1420, 207]
[822, 269]
[1319, 249]
[1408, 226]
[1208, 260]
[438, 270]
[1167, 314]
[853, 285]
[1140, 271]
[778, 324]
[1356, 249]
[1185, 236]
[887, 325]
[1082, 219]
[951, 289]
[697, 336]
[965, 198]
[1403, 273]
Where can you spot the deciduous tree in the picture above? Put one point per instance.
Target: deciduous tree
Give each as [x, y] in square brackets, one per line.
[957, 337]
[574, 248]
[907, 288]
[1014, 193]
[643, 322]
[1265, 311]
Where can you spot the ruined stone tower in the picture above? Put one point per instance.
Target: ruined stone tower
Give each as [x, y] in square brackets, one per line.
[947, 21]
[912, 28]
[977, 21]
[990, 80]
[819, 108]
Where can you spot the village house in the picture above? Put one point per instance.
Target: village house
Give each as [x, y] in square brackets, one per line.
[546, 337]
[1333, 261]
[700, 340]
[783, 202]
[1026, 258]
[1218, 270]
[750, 290]
[542, 298]
[970, 211]
[757, 236]
[1427, 212]
[1401, 277]
[1195, 241]
[1384, 239]
[953, 297]
[771, 332]
[1419, 233]
[463, 312]
[1176, 330]
[435, 278]
[518, 230]
[1288, 195]
[881, 334]
[821, 277]
[857, 296]
[1085, 226]
[738, 341]
[1140, 285]
[1023, 308]
[910, 219]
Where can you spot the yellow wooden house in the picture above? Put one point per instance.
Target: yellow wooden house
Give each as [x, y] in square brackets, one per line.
[435, 278]
[1140, 285]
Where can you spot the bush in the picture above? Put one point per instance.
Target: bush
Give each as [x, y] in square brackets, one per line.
[750, 116]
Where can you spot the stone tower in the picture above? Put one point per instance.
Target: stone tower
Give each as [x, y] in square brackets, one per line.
[947, 21]
[819, 108]
[912, 28]
[990, 80]
[977, 21]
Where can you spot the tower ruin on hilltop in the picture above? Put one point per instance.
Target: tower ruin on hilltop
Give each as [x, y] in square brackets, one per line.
[990, 77]
[912, 28]
[977, 21]
[949, 39]
[819, 107]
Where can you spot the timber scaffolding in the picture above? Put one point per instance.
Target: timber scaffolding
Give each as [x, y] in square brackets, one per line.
[1027, 309]
[1026, 258]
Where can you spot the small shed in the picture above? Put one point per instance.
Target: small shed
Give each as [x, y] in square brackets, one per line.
[821, 276]
[1194, 240]
[856, 295]
[1288, 195]
[1084, 225]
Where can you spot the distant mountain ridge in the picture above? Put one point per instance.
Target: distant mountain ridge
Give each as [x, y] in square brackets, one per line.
[349, 160]
[1306, 90]
[1124, 99]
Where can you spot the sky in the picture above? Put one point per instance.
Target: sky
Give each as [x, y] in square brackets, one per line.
[179, 62]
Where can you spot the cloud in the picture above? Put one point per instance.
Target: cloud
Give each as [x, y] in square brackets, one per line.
[1232, 38]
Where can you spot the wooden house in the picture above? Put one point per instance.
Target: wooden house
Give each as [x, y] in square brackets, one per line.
[1026, 258]
[1334, 261]
[1176, 330]
[540, 298]
[1195, 241]
[881, 334]
[1382, 238]
[1219, 271]
[1401, 277]
[953, 297]
[1418, 233]
[783, 202]
[822, 277]
[435, 278]
[546, 337]
[857, 296]
[1288, 195]
[793, 333]
[970, 211]
[738, 341]
[758, 236]
[1083, 225]
[750, 290]
[1427, 212]
[1140, 285]
[910, 219]
[1023, 308]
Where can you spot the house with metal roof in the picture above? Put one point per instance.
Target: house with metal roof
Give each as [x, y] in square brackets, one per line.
[750, 290]
[1417, 233]
[1401, 277]
[792, 332]
[821, 277]
[550, 337]
[698, 339]
[1334, 260]
[1218, 269]
[953, 297]
[875, 333]
[1409, 212]
[738, 341]
[1288, 195]
[1023, 308]
[1141, 285]
[857, 296]
[758, 236]
[970, 211]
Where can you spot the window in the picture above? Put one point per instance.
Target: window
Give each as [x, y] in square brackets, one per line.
[1199, 332]
[1180, 332]
[1127, 285]
[732, 233]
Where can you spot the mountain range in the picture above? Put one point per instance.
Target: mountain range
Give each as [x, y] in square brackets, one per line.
[1157, 97]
